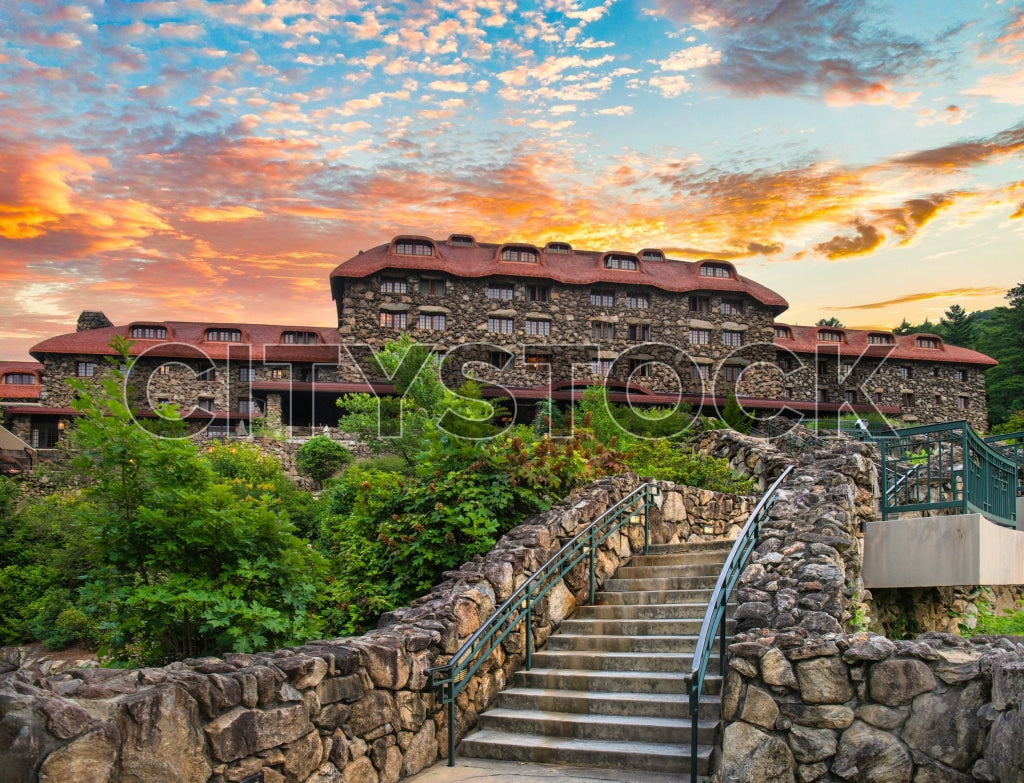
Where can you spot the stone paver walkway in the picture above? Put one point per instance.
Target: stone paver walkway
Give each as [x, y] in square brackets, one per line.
[488, 771]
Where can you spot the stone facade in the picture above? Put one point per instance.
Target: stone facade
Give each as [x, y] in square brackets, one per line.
[352, 709]
[611, 336]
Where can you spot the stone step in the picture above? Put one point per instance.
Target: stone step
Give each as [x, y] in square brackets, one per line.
[639, 756]
[616, 728]
[606, 702]
[652, 597]
[591, 680]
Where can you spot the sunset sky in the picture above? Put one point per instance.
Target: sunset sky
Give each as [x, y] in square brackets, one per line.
[197, 160]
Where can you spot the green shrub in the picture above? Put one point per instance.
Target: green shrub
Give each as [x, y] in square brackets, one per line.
[660, 459]
[1006, 624]
[320, 458]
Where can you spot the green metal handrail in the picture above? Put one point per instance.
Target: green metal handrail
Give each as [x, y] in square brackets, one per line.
[714, 618]
[452, 676]
[1011, 446]
[954, 470]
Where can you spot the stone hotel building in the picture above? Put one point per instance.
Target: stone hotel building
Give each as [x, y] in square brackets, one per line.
[527, 322]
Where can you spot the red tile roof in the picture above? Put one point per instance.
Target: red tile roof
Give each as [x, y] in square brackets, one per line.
[20, 391]
[185, 337]
[855, 343]
[578, 267]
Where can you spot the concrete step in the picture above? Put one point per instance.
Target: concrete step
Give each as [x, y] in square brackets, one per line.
[682, 559]
[615, 584]
[632, 644]
[616, 728]
[650, 597]
[605, 702]
[663, 571]
[639, 612]
[693, 546]
[614, 681]
[642, 756]
[670, 626]
[676, 662]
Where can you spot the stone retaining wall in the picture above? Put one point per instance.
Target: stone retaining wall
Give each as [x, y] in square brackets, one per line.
[805, 699]
[358, 710]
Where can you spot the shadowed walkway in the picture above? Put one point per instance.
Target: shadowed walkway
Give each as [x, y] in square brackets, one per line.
[468, 770]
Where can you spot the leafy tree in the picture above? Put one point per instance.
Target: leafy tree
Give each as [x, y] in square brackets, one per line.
[321, 457]
[185, 564]
[1013, 424]
[830, 321]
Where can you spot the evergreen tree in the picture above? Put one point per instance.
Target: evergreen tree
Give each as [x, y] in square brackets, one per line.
[957, 328]
[830, 321]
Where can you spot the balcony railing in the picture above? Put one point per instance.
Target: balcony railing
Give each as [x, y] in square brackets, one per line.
[947, 467]
[1011, 446]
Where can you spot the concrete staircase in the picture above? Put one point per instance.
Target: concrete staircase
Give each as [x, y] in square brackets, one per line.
[609, 689]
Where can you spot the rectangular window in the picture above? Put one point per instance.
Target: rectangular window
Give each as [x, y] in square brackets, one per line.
[700, 337]
[963, 403]
[927, 342]
[247, 373]
[880, 339]
[845, 370]
[782, 333]
[391, 320]
[619, 262]
[205, 404]
[504, 292]
[393, 285]
[20, 379]
[537, 358]
[640, 368]
[278, 374]
[907, 400]
[961, 376]
[300, 338]
[732, 307]
[788, 392]
[602, 298]
[823, 369]
[433, 321]
[163, 369]
[821, 395]
[731, 373]
[601, 367]
[714, 270]
[148, 332]
[413, 248]
[906, 373]
[538, 293]
[639, 333]
[208, 374]
[432, 287]
[500, 325]
[699, 372]
[224, 335]
[246, 406]
[602, 331]
[732, 338]
[700, 304]
[850, 396]
[638, 301]
[538, 326]
[85, 369]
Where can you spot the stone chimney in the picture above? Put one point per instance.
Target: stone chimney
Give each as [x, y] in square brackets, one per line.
[92, 319]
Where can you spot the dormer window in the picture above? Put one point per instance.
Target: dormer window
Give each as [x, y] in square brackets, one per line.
[783, 333]
[224, 335]
[715, 270]
[522, 255]
[880, 338]
[563, 248]
[413, 247]
[461, 240]
[829, 336]
[20, 379]
[393, 285]
[927, 342]
[147, 332]
[620, 261]
[300, 338]
[652, 255]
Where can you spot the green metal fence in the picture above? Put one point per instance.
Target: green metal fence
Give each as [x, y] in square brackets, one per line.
[451, 677]
[714, 618]
[946, 467]
[1011, 446]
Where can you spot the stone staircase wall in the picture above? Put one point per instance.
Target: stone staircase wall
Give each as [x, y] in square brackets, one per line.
[806, 698]
[358, 709]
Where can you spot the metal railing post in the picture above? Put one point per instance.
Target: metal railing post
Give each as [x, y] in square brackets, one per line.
[451, 724]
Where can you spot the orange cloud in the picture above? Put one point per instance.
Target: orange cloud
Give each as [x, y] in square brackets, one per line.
[959, 293]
